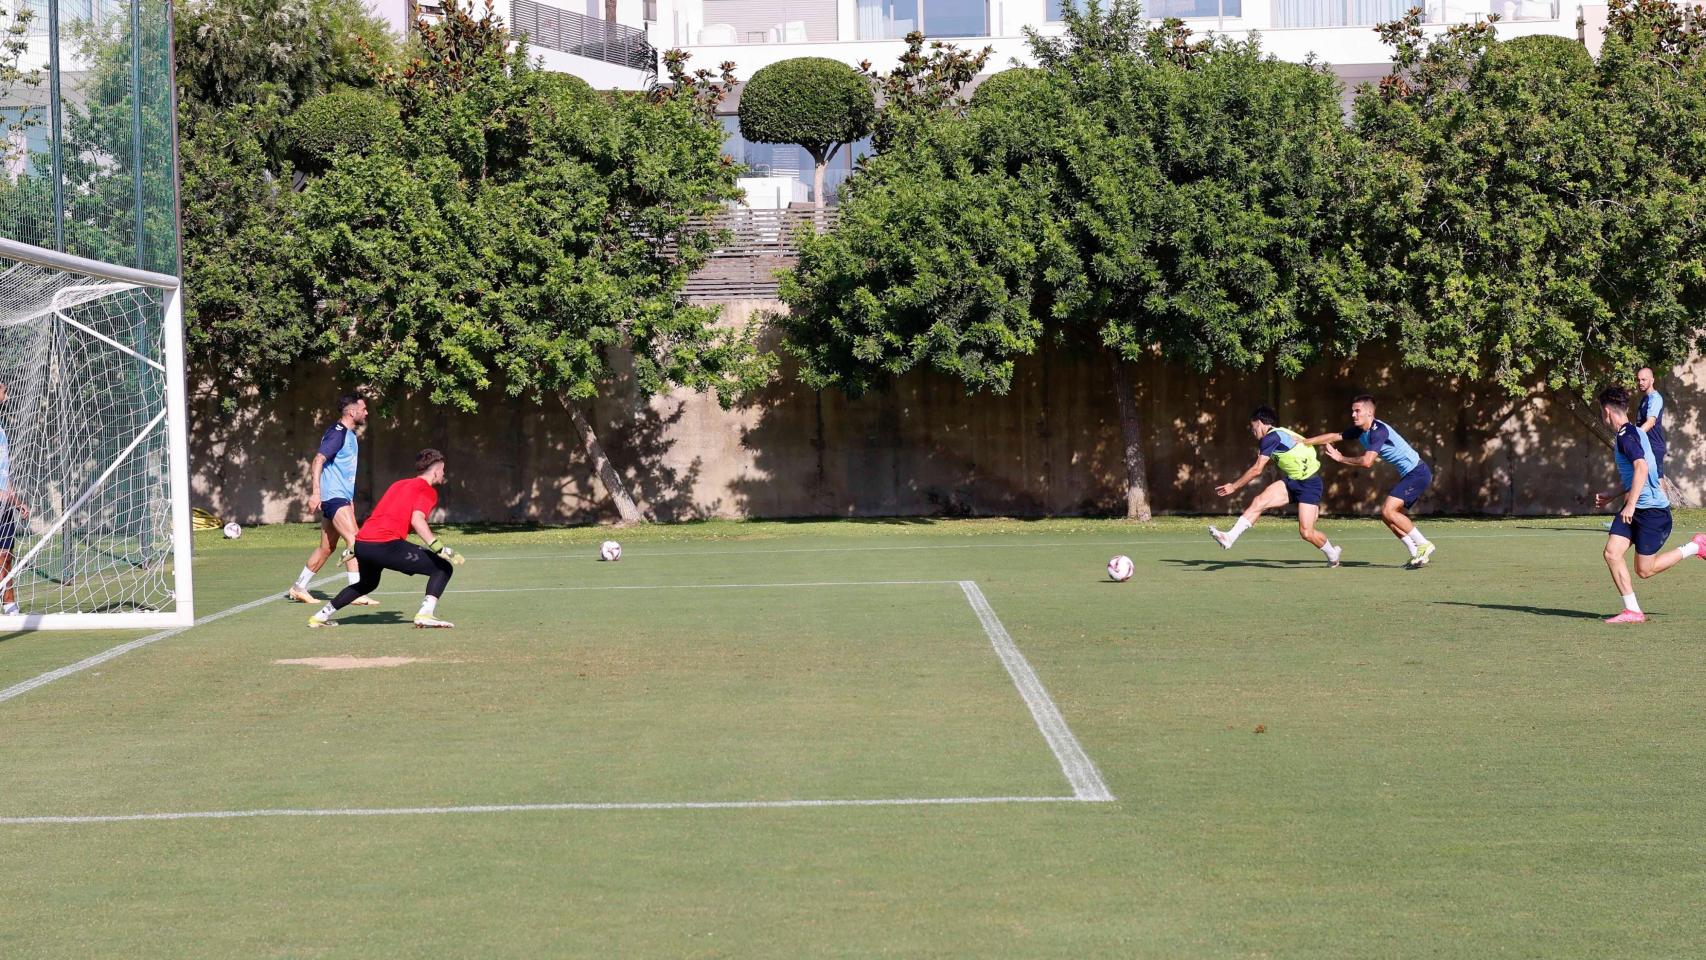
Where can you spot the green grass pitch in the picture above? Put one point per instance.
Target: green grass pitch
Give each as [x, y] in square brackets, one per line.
[1460, 761]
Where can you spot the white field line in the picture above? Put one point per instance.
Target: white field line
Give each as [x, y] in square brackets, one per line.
[537, 808]
[1086, 780]
[684, 586]
[579, 554]
[19, 689]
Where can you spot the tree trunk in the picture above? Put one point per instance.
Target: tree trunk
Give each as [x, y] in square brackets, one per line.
[1131, 439]
[606, 473]
[817, 187]
[610, 10]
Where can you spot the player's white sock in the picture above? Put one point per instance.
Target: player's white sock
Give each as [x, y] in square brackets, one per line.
[354, 576]
[1237, 529]
[1327, 547]
[1417, 538]
[428, 605]
[12, 610]
[1689, 549]
[326, 612]
[303, 578]
[1630, 604]
[1410, 544]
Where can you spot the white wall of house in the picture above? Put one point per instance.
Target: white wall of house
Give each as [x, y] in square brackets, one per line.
[756, 33]
[753, 34]
[394, 12]
[601, 74]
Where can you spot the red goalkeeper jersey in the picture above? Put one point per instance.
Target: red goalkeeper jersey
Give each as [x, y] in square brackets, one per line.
[391, 516]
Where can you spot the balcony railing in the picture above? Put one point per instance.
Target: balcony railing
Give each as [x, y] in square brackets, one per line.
[756, 244]
[554, 29]
[1304, 14]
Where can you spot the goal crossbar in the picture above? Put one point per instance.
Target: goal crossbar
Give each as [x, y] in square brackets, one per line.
[71, 263]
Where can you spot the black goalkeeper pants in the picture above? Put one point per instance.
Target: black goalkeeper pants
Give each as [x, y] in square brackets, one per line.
[401, 556]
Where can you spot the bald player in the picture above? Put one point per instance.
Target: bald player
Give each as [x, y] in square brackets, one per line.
[1649, 416]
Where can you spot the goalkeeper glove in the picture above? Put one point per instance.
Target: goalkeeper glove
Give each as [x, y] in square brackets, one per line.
[439, 547]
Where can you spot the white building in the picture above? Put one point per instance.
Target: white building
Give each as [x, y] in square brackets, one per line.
[755, 33]
[571, 36]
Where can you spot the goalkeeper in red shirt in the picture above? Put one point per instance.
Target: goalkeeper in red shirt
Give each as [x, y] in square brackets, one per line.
[383, 544]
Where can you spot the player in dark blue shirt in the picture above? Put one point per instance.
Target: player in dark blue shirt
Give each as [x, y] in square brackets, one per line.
[1299, 483]
[1644, 519]
[1382, 443]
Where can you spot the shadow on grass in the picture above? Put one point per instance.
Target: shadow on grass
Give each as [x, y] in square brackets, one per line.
[1524, 608]
[378, 616]
[1211, 565]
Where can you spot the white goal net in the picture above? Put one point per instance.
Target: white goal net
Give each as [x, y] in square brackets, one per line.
[94, 505]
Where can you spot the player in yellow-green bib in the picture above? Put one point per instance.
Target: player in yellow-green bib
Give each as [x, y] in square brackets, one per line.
[1300, 483]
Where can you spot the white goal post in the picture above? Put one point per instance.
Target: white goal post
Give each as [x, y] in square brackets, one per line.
[94, 457]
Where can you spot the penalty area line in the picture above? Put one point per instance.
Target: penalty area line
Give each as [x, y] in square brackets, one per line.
[1080, 770]
[19, 689]
[542, 808]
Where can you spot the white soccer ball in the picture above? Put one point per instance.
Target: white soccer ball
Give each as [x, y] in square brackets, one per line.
[610, 550]
[1120, 569]
[233, 530]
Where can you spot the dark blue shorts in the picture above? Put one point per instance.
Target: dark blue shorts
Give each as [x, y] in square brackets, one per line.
[330, 508]
[1305, 491]
[10, 527]
[1649, 531]
[1412, 485]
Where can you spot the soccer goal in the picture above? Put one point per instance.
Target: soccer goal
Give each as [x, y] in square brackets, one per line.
[94, 454]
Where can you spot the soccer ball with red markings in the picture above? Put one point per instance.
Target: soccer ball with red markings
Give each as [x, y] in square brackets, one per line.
[233, 530]
[1120, 569]
[610, 550]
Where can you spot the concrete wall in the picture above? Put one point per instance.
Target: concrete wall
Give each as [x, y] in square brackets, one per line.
[924, 447]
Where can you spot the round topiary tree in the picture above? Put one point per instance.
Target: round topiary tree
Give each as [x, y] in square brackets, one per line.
[344, 120]
[1010, 84]
[1566, 56]
[813, 102]
[561, 86]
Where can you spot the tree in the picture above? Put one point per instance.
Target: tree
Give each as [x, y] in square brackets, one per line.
[245, 67]
[814, 102]
[14, 77]
[1139, 194]
[704, 89]
[921, 86]
[524, 232]
[1538, 219]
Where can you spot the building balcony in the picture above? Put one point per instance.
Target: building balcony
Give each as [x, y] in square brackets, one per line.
[755, 33]
[552, 28]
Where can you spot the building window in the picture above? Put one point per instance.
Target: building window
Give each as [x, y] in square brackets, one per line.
[894, 19]
[1164, 9]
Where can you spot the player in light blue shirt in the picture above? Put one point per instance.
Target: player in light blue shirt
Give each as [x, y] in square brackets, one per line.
[332, 476]
[1650, 416]
[13, 517]
[1381, 443]
[1644, 519]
